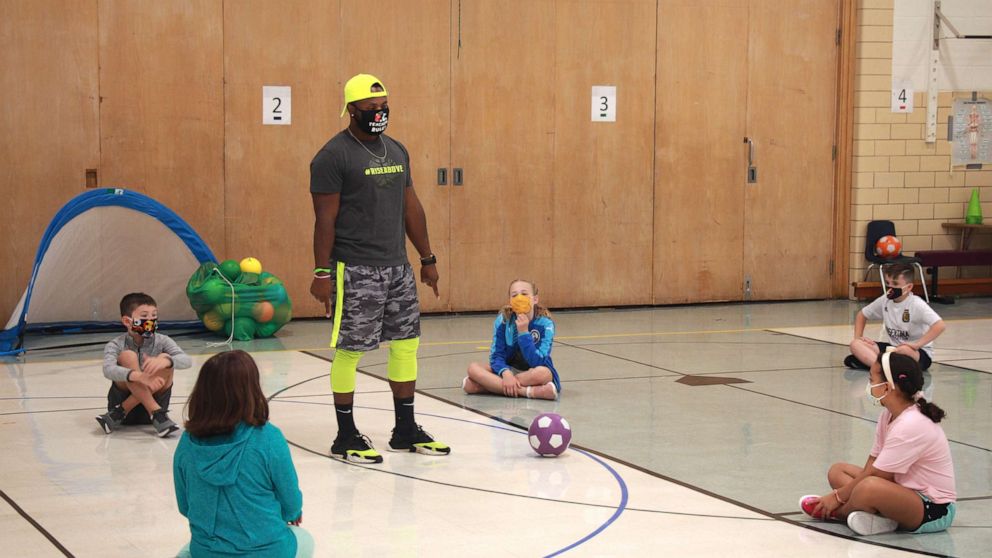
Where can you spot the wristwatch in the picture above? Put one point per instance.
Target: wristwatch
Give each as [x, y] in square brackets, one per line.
[429, 260]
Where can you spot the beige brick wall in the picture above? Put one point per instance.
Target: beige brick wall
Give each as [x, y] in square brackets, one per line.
[897, 175]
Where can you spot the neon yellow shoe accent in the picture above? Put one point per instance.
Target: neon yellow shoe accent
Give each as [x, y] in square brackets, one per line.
[355, 448]
[432, 448]
[419, 442]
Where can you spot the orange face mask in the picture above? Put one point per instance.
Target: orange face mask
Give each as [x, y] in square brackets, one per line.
[520, 304]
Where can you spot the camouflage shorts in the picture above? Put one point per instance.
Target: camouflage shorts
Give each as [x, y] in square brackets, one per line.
[380, 304]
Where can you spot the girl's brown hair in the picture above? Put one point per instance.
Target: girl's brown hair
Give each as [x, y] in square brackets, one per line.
[226, 392]
[509, 316]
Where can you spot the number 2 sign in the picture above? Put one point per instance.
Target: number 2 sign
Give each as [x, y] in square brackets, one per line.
[277, 105]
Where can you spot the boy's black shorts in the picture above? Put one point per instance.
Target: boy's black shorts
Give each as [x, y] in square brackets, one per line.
[138, 415]
[925, 361]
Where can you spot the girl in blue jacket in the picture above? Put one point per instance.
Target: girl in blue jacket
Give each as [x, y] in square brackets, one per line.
[520, 356]
[235, 479]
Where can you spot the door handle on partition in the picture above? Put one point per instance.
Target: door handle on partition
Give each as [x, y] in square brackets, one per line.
[456, 176]
[442, 176]
[752, 169]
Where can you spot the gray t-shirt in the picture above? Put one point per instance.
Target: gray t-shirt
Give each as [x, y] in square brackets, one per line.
[370, 227]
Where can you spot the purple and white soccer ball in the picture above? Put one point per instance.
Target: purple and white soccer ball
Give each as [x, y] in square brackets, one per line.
[549, 434]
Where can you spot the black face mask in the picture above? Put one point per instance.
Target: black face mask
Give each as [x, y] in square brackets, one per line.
[373, 122]
[893, 293]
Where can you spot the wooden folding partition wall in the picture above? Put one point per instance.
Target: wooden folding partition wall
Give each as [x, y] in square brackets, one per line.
[654, 208]
[49, 122]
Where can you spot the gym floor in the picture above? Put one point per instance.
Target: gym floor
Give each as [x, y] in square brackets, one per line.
[695, 431]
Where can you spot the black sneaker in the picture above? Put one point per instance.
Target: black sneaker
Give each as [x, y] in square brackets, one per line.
[163, 424]
[355, 448]
[417, 441]
[852, 362]
[111, 420]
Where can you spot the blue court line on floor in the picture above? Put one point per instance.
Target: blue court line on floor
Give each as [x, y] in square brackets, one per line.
[623, 485]
[616, 514]
[625, 463]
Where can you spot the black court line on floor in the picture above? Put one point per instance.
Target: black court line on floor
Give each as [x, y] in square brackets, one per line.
[27, 517]
[627, 464]
[673, 373]
[720, 373]
[53, 397]
[175, 399]
[595, 452]
[982, 351]
[51, 411]
[668, 341]
[284, 399]
[742, 388]
[756, 392]
[670, 374]
[508, 423]
[941, 362]
[625, 359]
[99, 343]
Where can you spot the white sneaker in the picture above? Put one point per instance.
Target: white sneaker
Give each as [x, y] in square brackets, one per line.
[864, 523]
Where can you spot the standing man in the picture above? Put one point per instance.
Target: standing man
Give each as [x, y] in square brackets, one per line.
[364, 203]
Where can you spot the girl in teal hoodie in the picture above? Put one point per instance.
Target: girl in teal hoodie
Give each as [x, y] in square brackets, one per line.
[234, 476]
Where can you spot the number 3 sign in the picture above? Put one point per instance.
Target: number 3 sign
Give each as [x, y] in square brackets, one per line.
[604, 103]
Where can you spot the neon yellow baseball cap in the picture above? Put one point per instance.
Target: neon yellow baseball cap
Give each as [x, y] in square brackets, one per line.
[360, 87]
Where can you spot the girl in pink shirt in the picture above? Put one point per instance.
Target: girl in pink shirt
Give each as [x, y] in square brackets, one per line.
[908, 480]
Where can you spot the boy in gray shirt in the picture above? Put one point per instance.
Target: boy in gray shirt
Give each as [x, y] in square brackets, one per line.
[140, 364]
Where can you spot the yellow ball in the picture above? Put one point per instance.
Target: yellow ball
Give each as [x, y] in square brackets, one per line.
[213, 321]
[251, 265]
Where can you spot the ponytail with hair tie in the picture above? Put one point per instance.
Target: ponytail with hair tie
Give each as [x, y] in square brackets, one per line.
[903, 371]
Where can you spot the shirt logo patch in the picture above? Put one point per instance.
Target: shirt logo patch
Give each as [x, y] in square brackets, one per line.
[535, 335]
[905, 316]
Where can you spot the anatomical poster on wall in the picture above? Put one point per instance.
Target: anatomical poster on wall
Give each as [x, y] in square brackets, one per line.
[971, 136]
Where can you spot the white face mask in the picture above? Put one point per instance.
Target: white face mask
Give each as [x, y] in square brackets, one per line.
[876, 401]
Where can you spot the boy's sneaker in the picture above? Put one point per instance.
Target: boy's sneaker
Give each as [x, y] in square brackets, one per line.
[864, 523]
[163, 424]
[808, 505]
[355, 448]
[111, 420]
[852, 361]
[417, 441]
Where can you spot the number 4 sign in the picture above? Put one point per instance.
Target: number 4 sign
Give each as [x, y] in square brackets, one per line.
[604, 103]
[277, 106]
[902, 97]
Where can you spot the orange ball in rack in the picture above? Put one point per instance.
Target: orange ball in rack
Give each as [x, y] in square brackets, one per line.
[263, 311]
